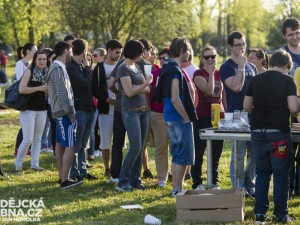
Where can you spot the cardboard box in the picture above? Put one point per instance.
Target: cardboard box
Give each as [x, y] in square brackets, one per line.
[226, 205]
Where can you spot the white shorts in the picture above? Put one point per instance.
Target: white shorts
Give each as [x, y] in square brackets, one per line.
[106, 122]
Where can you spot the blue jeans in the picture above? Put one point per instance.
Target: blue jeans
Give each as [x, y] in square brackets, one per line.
[84, 125]
[249, 173]
[137, 125]
[91, 149]
[181, 142]
[273, 155]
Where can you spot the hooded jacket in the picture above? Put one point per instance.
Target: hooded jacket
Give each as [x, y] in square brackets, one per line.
[163, 87]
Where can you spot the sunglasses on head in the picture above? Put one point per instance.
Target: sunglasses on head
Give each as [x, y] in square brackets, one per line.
[206, 57]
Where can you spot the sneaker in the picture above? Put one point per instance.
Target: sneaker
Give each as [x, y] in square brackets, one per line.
[113, 180]
[200, 188]
[188, 176]
[46, 150]
[263, 218]
[216, 188]
[284, 220]
[125, 189]
[91, 158]
[90, 177]
[68, 184]
[89, 165]
[38, 168]
[18, 168]
[175, 192]
[140, 187]
[147, 174]
[107, 173]
[162, 184]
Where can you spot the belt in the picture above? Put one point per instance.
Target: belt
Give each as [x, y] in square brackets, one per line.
[142, 108]
[266, 130]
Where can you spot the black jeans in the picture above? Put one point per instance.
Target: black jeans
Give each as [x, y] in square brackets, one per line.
[19, 138]
[200, 145]
[119, 132]
[53, 128]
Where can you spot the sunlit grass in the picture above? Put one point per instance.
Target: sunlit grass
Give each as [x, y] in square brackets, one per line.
[96, 202]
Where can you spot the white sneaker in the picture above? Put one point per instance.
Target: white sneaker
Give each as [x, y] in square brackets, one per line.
[113, 180]
[46, 150]
[200, 188]
[162, 184]
[216, 188]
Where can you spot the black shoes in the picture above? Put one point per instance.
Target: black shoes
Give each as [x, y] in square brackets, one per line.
[147, 174]
[68, 184]
[90, 177]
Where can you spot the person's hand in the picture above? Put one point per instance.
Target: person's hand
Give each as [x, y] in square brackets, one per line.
[85, 62]
[110, 101]
[241, 60]
[72, 119]
[210, 67]
[149, 79]
[43, 88]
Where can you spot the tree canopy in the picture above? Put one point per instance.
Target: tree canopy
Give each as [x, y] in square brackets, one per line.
[201, 21]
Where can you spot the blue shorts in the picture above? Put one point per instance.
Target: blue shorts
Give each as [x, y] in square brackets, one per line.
[66, 131]
[182, 142]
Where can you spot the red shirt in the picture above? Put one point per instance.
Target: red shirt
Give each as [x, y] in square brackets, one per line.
[204, 101]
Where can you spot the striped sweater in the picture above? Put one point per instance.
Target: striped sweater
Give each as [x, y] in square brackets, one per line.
[58, 94]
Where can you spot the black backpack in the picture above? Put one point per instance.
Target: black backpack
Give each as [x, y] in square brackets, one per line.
[13, 98]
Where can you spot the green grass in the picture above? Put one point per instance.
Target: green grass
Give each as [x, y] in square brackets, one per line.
[96, 202]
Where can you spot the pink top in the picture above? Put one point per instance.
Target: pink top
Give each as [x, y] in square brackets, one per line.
[204, 101]
[159, 107]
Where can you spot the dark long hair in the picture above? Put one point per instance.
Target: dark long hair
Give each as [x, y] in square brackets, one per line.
[33, 64]
[27, 46]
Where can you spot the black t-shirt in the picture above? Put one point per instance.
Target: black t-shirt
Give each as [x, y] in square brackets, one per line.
[270, 91]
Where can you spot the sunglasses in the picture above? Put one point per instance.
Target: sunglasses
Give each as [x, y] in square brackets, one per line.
[95, 55]
[206, 57]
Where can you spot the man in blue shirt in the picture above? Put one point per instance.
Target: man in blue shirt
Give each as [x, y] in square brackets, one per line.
[179, 111]
[236, 74]
[291, 33]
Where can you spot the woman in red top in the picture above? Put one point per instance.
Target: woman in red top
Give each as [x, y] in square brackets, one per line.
[210, 90]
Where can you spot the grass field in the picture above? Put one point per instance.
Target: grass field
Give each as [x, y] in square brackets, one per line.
[96, 202]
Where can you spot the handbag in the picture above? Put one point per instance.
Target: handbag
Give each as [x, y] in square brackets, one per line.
[13, 98]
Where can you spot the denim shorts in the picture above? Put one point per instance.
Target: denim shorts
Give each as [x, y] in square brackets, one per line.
[66, 131]
[182, 142]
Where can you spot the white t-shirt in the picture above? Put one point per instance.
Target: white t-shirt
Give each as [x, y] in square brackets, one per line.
[190, 70]
[108, 69]
[20, 69]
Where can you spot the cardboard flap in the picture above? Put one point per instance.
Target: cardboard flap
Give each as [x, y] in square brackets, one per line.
[210, 199]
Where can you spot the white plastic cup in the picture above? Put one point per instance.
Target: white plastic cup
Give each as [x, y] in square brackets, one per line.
[147, 69]
[228, 117]
[152, 220]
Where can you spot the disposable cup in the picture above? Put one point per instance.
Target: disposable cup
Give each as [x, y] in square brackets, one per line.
[228, 116]
[152, 220]
[147, 69]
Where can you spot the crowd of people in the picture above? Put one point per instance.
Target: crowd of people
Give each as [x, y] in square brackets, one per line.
[94, 106]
